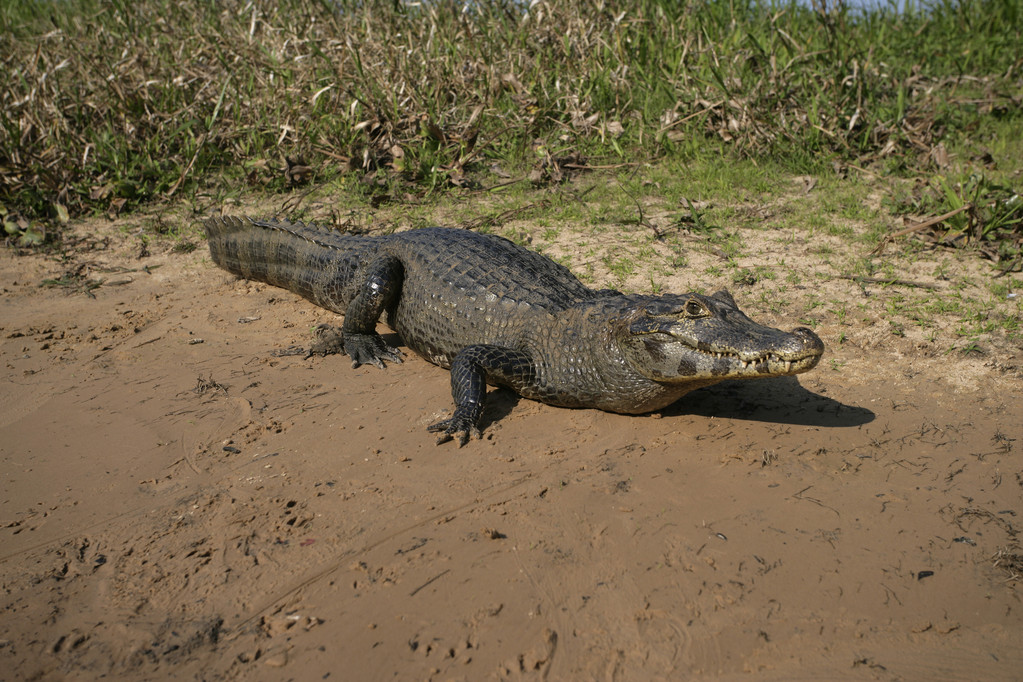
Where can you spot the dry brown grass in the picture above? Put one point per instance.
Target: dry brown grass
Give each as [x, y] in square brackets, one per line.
[108, 105]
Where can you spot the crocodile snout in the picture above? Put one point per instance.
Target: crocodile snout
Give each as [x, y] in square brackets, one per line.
[811, 343]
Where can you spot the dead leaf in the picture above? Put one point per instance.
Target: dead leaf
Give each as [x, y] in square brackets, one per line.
[114, 209]
[939, 155]
[433, 131]
[101, 191]
[296, 171]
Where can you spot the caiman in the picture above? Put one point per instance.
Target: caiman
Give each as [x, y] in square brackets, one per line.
[497, 313]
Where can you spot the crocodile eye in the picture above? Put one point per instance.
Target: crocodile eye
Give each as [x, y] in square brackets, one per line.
[695, 309]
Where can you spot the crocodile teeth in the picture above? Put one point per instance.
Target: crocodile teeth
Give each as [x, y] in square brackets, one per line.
[788, 365]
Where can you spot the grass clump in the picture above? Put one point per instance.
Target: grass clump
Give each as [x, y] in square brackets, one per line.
[106, 105]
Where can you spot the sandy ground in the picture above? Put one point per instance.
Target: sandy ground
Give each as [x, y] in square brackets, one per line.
[177, 502]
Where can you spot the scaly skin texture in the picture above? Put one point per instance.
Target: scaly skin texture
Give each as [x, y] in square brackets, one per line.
[494, 312]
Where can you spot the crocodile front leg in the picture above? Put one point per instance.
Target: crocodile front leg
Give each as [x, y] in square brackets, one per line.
[380, 288]
[472, 368]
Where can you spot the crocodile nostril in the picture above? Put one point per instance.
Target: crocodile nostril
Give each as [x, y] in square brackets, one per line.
[810, 339]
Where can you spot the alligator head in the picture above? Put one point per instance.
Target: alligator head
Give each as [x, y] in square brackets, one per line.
[701, 340]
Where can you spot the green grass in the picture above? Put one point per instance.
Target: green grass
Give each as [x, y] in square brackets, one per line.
[104, 106]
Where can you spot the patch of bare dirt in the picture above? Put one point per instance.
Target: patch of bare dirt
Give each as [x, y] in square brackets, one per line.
[177, 502]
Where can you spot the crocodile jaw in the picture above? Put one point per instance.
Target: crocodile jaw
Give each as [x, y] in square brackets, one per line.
[784, 354]
[667, 359]
[723, 343]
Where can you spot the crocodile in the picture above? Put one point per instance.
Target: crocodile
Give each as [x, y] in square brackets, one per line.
[494, 312]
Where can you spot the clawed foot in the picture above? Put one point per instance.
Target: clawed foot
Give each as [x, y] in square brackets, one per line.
[370, 349]
[457, 428]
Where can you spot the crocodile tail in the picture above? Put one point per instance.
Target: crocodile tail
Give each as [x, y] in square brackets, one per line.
[311, 261]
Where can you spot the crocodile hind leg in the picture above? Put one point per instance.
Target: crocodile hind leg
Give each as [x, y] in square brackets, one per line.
[380, 288]
[472, 368]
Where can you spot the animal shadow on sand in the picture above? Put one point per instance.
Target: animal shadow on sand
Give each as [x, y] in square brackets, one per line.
[779, 400]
